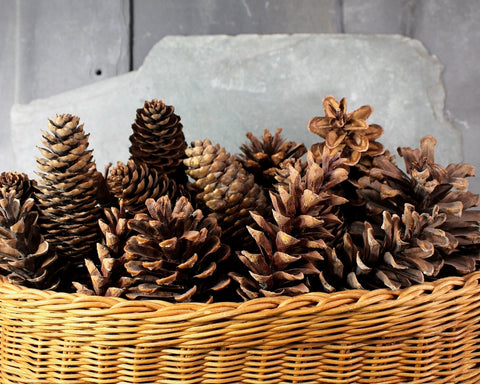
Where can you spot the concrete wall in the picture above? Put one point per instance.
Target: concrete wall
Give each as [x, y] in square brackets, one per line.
[50, 46]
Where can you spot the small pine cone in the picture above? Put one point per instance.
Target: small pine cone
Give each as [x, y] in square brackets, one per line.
[230, 198]
[225, 189]
[17, 183]
[158, 138]
[175, 253]
[66, 191]
[203, 160]
[134, 183]
[262, 157]
[24, 254]
[110, 279]
[347, 133]
[282, 173]
[404, 251]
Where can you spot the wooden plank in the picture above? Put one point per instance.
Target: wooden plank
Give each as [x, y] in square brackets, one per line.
[154, 19]
[64, 44]
[7, 78]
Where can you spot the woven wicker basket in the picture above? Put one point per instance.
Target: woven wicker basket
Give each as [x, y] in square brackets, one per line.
[425, 334]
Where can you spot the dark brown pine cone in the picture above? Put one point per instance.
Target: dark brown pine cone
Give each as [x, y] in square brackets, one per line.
[134, 183]
[24, 256]
[175, 253]
[158, 139]
[66, 192]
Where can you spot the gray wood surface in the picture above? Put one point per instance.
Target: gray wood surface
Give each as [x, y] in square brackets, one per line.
[153, 19]
[63, 45]
[7, 77]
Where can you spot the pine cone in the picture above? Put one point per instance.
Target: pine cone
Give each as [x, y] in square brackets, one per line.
[17, 183]
[66, 191]
[263, 157]
[175, 253]
[347, 133]
[111, 278]
[158, 139]
[296, 251]
[282, 173]
[134, 183]
[203, 159]
[24, 256]
[403, 252]
[428, 186]
[225, 190]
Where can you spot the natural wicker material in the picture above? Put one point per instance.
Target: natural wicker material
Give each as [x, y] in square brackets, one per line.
[428, 333]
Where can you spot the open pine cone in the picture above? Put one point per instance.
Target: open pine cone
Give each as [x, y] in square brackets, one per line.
[296, 250]
[110, 278]
[262, 157]
[347, 133]
[175, 253]
[24, 256]
[17, 184]
[428, 187]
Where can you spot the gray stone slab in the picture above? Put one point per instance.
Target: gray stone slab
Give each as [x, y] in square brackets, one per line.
[155, 19]
[225, 86]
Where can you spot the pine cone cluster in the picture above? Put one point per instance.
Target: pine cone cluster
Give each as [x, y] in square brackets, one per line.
[195, 223]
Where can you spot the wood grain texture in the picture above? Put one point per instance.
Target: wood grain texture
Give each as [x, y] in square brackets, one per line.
[154, 19]
[7, 78]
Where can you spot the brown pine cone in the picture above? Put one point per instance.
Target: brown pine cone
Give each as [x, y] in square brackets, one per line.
[347, 133]
[17, 183]
[404, 251]
[158, 138]
[66, 192]
[262, 157]
[110, 278]
[134, 183]
[295, 252]
[24, 254]
[225, 190]
[175, 253]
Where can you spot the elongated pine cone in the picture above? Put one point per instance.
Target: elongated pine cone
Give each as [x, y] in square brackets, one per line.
[158, 139]
[66, 191]
[24, 256]
[225, 189]
[347, 133]
[296, 251]
[17, 183]
[134, 183]
[175, 253]
[262, 157]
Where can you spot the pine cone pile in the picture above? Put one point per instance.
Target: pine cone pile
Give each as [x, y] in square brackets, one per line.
[182, 223]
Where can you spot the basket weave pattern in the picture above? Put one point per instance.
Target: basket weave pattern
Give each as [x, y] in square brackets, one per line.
[428, 333]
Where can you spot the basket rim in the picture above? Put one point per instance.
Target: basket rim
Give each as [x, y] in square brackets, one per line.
[328, 303]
